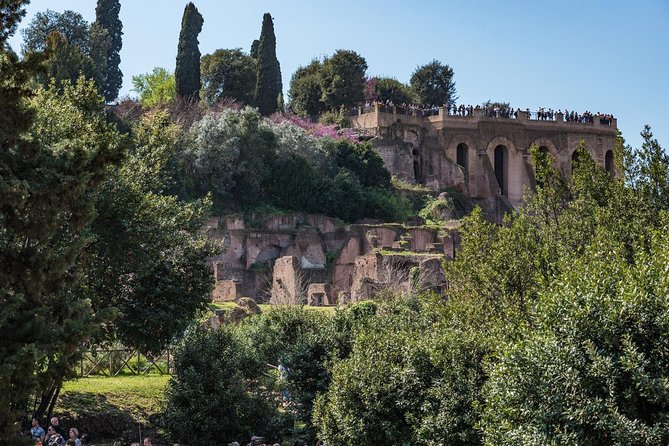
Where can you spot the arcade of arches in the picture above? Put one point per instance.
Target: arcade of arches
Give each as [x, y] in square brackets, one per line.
[487, 159]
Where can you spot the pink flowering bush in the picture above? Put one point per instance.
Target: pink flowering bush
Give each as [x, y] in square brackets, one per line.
[316, 129]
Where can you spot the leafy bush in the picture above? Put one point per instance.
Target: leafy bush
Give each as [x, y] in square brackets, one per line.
[218, 388]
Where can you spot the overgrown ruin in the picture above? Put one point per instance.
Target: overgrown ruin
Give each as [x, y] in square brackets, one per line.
[481, 158]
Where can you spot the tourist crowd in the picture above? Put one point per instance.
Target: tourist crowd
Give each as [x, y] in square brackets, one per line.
[490, 111]
[57, 435]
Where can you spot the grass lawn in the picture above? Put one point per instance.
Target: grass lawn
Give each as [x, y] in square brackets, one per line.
[136, 395]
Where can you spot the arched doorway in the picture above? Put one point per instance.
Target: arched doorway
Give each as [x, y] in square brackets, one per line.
[608, 163]
[462, 155]
[501, 162]
[416, 165]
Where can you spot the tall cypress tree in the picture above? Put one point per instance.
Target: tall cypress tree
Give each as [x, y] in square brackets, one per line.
[268, 83]
[106, 43]
[187, 73]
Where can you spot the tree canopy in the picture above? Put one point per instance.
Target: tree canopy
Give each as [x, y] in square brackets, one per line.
[69, 24]
[343, 79]
[187, 73]
[228, 74]
[106, 44]
[268, 78]
[433, 84]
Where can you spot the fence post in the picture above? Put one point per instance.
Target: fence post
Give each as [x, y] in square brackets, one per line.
[138, 373]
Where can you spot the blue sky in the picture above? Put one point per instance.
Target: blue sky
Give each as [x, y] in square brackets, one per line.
[602, 56]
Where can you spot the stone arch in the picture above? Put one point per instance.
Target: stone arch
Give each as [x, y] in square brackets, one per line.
[503, 141]
[501, 168]
[548, 144]
[504, 158]
[462, 156]
[609, 164]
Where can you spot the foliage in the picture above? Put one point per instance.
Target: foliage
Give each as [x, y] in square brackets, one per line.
[66, 63]
[387, 89]
[268, 78]
[594, 369]
[306, 92]
[106, 43]
[148, 262]
[11, 14]
[433, 84]
[218, 387]
[229, 151]
[228, 74]
[69, 24]
[157, 87]
[343, 79]
[47, 197]
[187, 73]
[434, 208]
[362, 160]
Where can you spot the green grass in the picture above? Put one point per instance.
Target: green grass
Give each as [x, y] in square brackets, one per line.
[329, 309]
[136, 395]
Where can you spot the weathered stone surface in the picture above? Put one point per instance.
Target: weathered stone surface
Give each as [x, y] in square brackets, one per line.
[226, 290]
[420, 238]
[287, 286]
[318, 294]
[234, 222]
[366, 273]
[424, 150]
[249, 305]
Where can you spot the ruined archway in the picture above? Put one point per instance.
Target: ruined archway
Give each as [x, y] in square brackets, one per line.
[462, 156]
[501, 167]
[609, 164]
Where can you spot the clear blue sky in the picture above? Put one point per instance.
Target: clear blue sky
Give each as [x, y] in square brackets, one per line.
[602, 56]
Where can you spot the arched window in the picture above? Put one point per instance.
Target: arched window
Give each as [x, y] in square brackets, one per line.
[462, 156]
[608, 163]
[500, 164]
[574, 159]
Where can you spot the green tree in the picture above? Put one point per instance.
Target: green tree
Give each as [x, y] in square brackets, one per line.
[384, 89]
[157, 87]
[106, 43]
[12, 13]
[148, 264]
[228, 74]
[69, 24]
[433, 84]
[305, 90]
[268, 79]
[362, 160]
[230, 152]
[187, 73]
[343, 79]
[593, 370]
[65, 63]
[47, 201]
[218, 388]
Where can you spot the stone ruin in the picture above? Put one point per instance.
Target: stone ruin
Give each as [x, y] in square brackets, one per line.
[481, 159]
[309, 259]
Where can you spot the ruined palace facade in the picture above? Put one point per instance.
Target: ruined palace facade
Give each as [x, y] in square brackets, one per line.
[483, 156]
[479, 159]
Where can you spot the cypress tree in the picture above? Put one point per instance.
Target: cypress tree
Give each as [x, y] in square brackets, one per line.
[187, 73]
[106, 43]
[269, 76]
